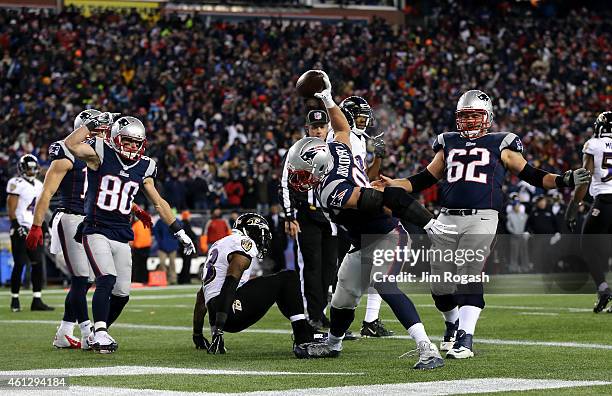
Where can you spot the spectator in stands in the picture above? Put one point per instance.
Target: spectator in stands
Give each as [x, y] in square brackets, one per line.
[279, 238]
[185, 274]
[215, 229]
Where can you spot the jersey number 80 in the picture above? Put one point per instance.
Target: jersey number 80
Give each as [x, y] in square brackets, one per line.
[116, 195]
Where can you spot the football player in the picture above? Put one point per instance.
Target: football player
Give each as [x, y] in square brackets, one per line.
[473, 163]
[116, 170]
[330, 169]
[360, 117]
[236, 303]
[597, 159]
[23, 191]
[68, 175]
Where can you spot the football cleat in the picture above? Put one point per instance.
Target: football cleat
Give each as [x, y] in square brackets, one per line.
[103, 343]
[462, 349]
[449, 335]
[375, 329]
[603, 298]
[15, 306]
[66, 341]
[39, 305]
[349, 336]
[314, 350]
[87, 341]
[429, 357]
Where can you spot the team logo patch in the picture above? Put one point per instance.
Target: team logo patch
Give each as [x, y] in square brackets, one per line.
[337, 198]
[318, 116]
[12, 187]
[237, 306]
[519, 145]
[309, 155]
[595, 212]
[246, 244]
[54, 149]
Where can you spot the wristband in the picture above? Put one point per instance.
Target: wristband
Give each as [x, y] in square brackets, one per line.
[175, 227]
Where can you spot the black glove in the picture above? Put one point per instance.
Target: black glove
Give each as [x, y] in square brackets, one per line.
[17, 229]
[380, 149]
[570, 216]
[218, 344]
[105, 118]
[200, 341]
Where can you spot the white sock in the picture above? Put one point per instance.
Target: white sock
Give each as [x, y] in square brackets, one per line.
[373, 307]
[15, 295]
[452, 315]
[37, 294]
[99, 325]
[335, 342]
[602, 286]
[66, 327]
[468, 316]
[417, 332]
[85, 328]
[297, 317]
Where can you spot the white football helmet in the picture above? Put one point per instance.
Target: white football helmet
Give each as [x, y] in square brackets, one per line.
[308, 162]
[128, 137]
[474, 114]
[86, 115]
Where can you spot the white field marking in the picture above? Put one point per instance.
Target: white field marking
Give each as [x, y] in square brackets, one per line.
[539, 313]
[466, 386]
[145, 370]
[493, 341]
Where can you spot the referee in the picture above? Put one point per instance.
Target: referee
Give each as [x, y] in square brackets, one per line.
[316, 236]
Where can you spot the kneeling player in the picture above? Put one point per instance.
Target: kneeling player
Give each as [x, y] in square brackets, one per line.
[236, 303]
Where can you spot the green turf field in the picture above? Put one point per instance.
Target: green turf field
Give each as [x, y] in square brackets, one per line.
[519, 337]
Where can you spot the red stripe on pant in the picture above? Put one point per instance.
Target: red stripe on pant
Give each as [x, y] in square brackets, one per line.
[90, 257]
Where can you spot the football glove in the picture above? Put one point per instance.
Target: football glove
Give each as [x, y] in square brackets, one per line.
[326, 94]
[143, 216]
[570, 216]
[380, 148]
[34, 238]
[188, 246]
[573, 178]
[437, 229]
[18, 229]
[200, 341]
[104, 119]
[218, 344]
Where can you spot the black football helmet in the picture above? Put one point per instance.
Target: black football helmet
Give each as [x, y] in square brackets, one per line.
[360, 110]
[28, 167]
[255, 227]
[603, 125]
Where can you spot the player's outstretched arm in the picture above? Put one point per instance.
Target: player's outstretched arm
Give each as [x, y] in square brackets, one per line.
[517, 164]
[342, 130]
[53, 178]
[165, 212]
[579, 193]
[199, 313]
[419, 182]
[238, 263]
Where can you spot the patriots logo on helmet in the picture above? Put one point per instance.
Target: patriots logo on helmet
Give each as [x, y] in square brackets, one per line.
[123, 122]
[309, 155]
[483, 96]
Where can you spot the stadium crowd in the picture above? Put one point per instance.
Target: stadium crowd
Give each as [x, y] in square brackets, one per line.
[220, 107]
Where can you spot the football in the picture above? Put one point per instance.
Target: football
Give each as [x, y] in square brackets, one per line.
[310, 83]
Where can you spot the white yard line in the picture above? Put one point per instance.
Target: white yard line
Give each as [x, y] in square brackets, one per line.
[145, 370]
[467, 386]
[493, 341]
[539, 313]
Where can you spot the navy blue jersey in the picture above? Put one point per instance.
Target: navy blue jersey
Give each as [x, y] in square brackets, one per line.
[74, 184]
[474, 172]
[111, 190]
[335, 191]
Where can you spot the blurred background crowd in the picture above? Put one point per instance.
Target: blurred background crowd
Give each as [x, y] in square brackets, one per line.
[220, 107]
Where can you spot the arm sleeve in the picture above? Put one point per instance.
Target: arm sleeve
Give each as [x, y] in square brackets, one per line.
[336, 194]
[98, 145]
[14, 186]
[151, 170]
[285, 193]
[589, 147]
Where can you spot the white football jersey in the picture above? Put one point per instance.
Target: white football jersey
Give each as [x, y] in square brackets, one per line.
[28, 192]
[359, 151]
[215, 270]
[601, 150]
